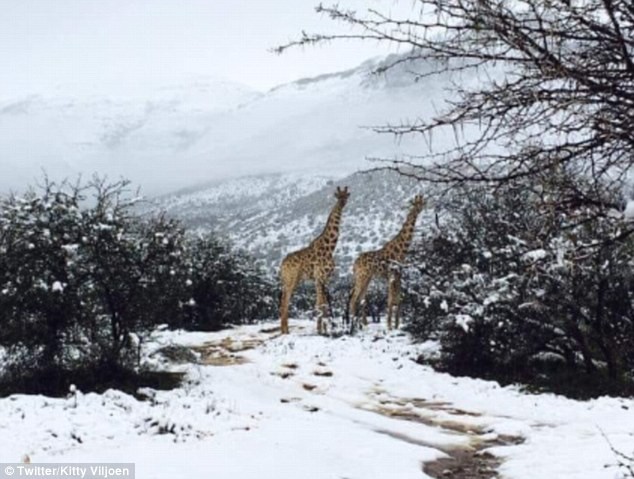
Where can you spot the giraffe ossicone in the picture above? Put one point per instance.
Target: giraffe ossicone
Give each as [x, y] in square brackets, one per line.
[385, 263]
[314, 262]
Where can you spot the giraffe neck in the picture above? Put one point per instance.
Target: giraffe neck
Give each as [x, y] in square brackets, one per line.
[397, 247]
[329, 236]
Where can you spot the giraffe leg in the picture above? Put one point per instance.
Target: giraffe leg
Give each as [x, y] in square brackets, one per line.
[358, 297]
[289, 283]
[364, 310]
[331, 313]
[352, 303]
[390, 299]
[393, 300]
[321, 306]
[284, 304]
[362, 299]
[397, 307]
[351, 311]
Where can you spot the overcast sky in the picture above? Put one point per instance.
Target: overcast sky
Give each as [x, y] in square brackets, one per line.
[44, 43]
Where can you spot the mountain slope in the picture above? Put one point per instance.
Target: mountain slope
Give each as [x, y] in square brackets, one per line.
[271, 215]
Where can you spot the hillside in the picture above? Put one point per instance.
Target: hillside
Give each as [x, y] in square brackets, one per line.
[271, 215]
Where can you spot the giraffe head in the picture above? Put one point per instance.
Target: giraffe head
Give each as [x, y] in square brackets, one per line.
[342, 195]
[417, 204]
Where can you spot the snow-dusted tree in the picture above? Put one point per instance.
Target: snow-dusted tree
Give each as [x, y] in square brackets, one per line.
[40, 283]
[506, 285]
[534, 85]
[84, 278]
[537, 145]
[134, 271]
[225, 287]
[81, 280]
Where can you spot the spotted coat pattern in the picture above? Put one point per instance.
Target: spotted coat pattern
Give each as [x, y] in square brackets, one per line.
[315, 262]
[385, 263]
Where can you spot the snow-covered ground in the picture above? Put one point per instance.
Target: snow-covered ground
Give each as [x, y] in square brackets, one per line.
[257, 405]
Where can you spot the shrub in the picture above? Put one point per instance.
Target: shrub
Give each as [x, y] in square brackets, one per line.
[225, 287]
[80, 286]
[84, 279]
[518, 291]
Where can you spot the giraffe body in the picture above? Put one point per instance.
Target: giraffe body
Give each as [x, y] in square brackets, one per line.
[315, 262]
[384, 263]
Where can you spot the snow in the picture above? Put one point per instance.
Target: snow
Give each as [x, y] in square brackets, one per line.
[628, 214]
[309, 406]
[463, 320]
[536, 255]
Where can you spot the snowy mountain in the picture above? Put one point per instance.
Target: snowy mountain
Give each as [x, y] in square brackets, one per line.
[275, 157]
[169, 137]
[138, 133]
[271, 215]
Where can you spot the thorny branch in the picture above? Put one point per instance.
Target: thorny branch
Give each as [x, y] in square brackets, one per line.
[556, 89]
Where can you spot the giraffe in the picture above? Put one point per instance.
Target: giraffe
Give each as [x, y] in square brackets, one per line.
[385, 263]
[313, 262]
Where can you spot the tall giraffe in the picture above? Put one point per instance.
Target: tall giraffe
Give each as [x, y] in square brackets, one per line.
[313, 262]
[385, 263]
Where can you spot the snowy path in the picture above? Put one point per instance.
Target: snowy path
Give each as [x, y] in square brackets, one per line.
[258, 405]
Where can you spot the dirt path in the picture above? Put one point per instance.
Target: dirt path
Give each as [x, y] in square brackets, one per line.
[471, 460]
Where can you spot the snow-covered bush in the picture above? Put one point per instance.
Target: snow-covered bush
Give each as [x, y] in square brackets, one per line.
[225, 287]
[515, 289]
[84, 278]
[81, 281]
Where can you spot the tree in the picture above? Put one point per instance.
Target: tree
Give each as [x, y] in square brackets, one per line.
[225, 287]
[510, 290]
[555, 90]
[534, 256]
[84, 279]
